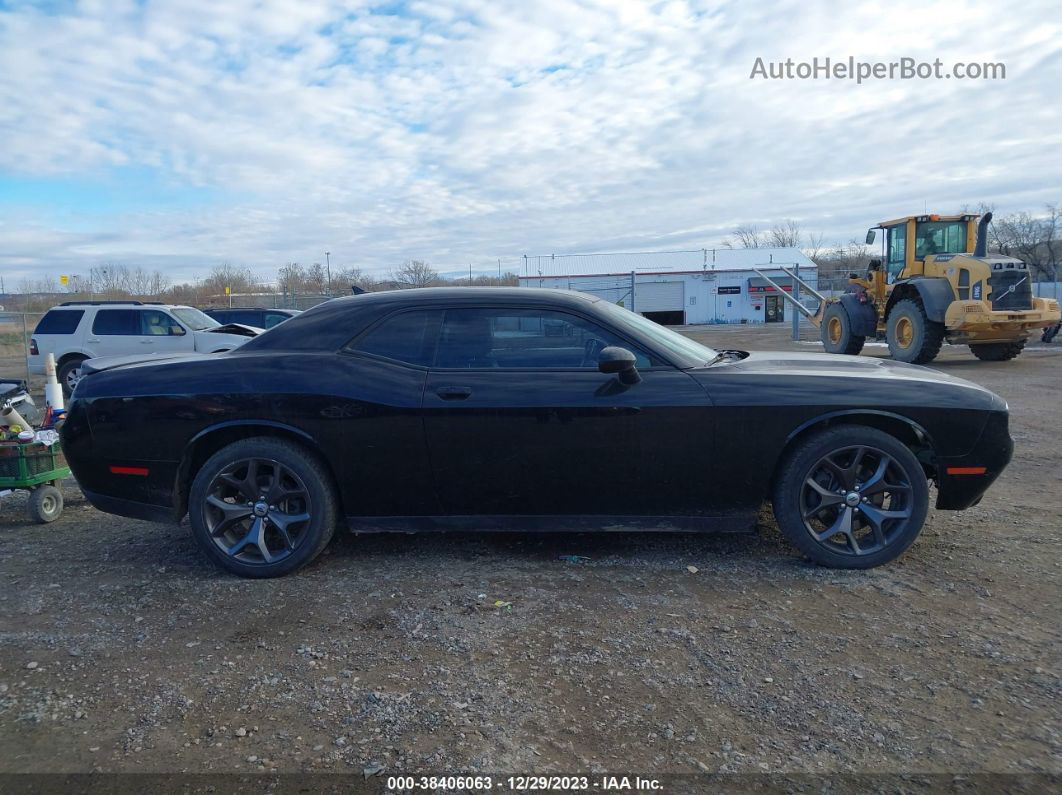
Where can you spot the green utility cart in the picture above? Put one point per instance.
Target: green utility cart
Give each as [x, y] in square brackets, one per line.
[38, 468]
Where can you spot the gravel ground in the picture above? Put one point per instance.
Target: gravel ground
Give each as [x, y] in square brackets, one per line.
[122, 650]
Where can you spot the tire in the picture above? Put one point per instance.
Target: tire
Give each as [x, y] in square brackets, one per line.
[807, 513]
[69, 373]
[836, 332]
[998, 351]
[262, 533]
[1050, 332]
[912, 337]
[45, 504]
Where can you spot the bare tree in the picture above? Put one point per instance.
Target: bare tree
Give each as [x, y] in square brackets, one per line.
[354, 277]
[747, 236]
[1032, 239]
[316, 278]
[816, 242]
[238, 279]
[415, 273]
[784, 235]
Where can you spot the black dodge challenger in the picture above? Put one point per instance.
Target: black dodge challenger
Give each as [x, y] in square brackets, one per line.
[504, 409]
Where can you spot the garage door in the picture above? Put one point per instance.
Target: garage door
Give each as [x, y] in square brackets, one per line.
[659, 297]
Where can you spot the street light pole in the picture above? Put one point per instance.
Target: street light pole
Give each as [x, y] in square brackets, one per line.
[328, 270]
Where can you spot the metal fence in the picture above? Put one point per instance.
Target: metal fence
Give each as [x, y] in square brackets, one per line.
[282, 300]
[16, 328]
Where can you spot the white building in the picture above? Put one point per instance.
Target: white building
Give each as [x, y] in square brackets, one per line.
[676, 287]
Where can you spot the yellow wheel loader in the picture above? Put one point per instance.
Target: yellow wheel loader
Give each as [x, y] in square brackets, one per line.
[935, 283]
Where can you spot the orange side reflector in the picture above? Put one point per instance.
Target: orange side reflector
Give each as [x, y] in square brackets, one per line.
[966, 470]
[129, 471]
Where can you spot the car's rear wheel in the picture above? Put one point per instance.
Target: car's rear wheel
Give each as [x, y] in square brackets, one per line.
[69, 373]
[262, 507]
[851, 497]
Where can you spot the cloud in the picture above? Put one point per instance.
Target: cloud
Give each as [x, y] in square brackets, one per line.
[463, 131]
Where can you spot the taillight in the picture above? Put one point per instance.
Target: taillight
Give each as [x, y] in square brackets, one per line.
[33, 348]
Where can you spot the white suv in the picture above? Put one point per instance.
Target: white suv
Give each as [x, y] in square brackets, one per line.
[79, 330]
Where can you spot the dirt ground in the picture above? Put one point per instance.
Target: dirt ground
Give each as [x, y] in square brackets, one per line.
[122, 649]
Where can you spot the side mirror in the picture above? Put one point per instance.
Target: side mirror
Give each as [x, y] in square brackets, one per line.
[619, 361]
[871, 235]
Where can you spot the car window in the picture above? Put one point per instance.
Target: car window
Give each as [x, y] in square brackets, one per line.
[154, 323]
[246, 316]
[406, 337]
[525, 338]
[272, 318]
[60, 321]
[194, 319]
[116, 321]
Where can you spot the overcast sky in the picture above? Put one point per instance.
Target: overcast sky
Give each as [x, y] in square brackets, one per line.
[184, 133]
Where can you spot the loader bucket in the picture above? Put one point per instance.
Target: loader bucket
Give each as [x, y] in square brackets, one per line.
[815, 318]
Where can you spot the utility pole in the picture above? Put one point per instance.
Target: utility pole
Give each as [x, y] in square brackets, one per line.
[328, 270]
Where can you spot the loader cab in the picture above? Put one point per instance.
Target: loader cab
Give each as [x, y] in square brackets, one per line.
[908, 241]
[895, 251]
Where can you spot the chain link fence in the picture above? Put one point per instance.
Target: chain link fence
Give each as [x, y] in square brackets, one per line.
[16, 328]
[282, 300]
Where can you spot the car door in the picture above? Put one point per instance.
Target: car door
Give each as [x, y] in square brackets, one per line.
[519, 421]
[114, 332]
[159, 332]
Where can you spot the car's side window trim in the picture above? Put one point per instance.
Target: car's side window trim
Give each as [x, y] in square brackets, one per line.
[667, 363]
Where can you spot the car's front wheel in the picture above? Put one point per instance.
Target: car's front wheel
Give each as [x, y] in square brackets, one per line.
[851, 497]
[262, 507]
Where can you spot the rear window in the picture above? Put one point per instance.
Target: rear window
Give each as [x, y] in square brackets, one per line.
[116, 321]
[60, 321]
[407, 337]
[272, 318]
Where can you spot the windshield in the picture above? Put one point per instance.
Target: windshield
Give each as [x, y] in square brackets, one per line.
[195, 320]
[940, 237]
[669, 340]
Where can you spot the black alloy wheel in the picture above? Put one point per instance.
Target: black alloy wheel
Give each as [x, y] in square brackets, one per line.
[257, 509]
[851, 497]
[262, 507]
[856, 500]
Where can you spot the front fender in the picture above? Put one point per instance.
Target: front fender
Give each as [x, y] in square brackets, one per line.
[935, 293]
[861, 315]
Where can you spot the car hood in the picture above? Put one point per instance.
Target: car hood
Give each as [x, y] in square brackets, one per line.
[873, 372]
[231, 334]
[239, 329]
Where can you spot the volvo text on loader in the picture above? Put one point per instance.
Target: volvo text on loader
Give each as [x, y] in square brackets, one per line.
[934, 283]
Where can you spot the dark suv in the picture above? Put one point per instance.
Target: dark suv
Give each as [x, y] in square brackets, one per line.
[252, 316]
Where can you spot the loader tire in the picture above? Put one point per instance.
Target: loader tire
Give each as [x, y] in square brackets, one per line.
[997, 351]
[912, 337]
[836, 332]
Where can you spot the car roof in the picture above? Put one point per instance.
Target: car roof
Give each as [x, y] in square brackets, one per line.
[82, 305]
[435, 295]
[330, 325]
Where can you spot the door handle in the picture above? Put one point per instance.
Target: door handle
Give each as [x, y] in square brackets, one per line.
[147, 342]
[454, 392]
[94, 342]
